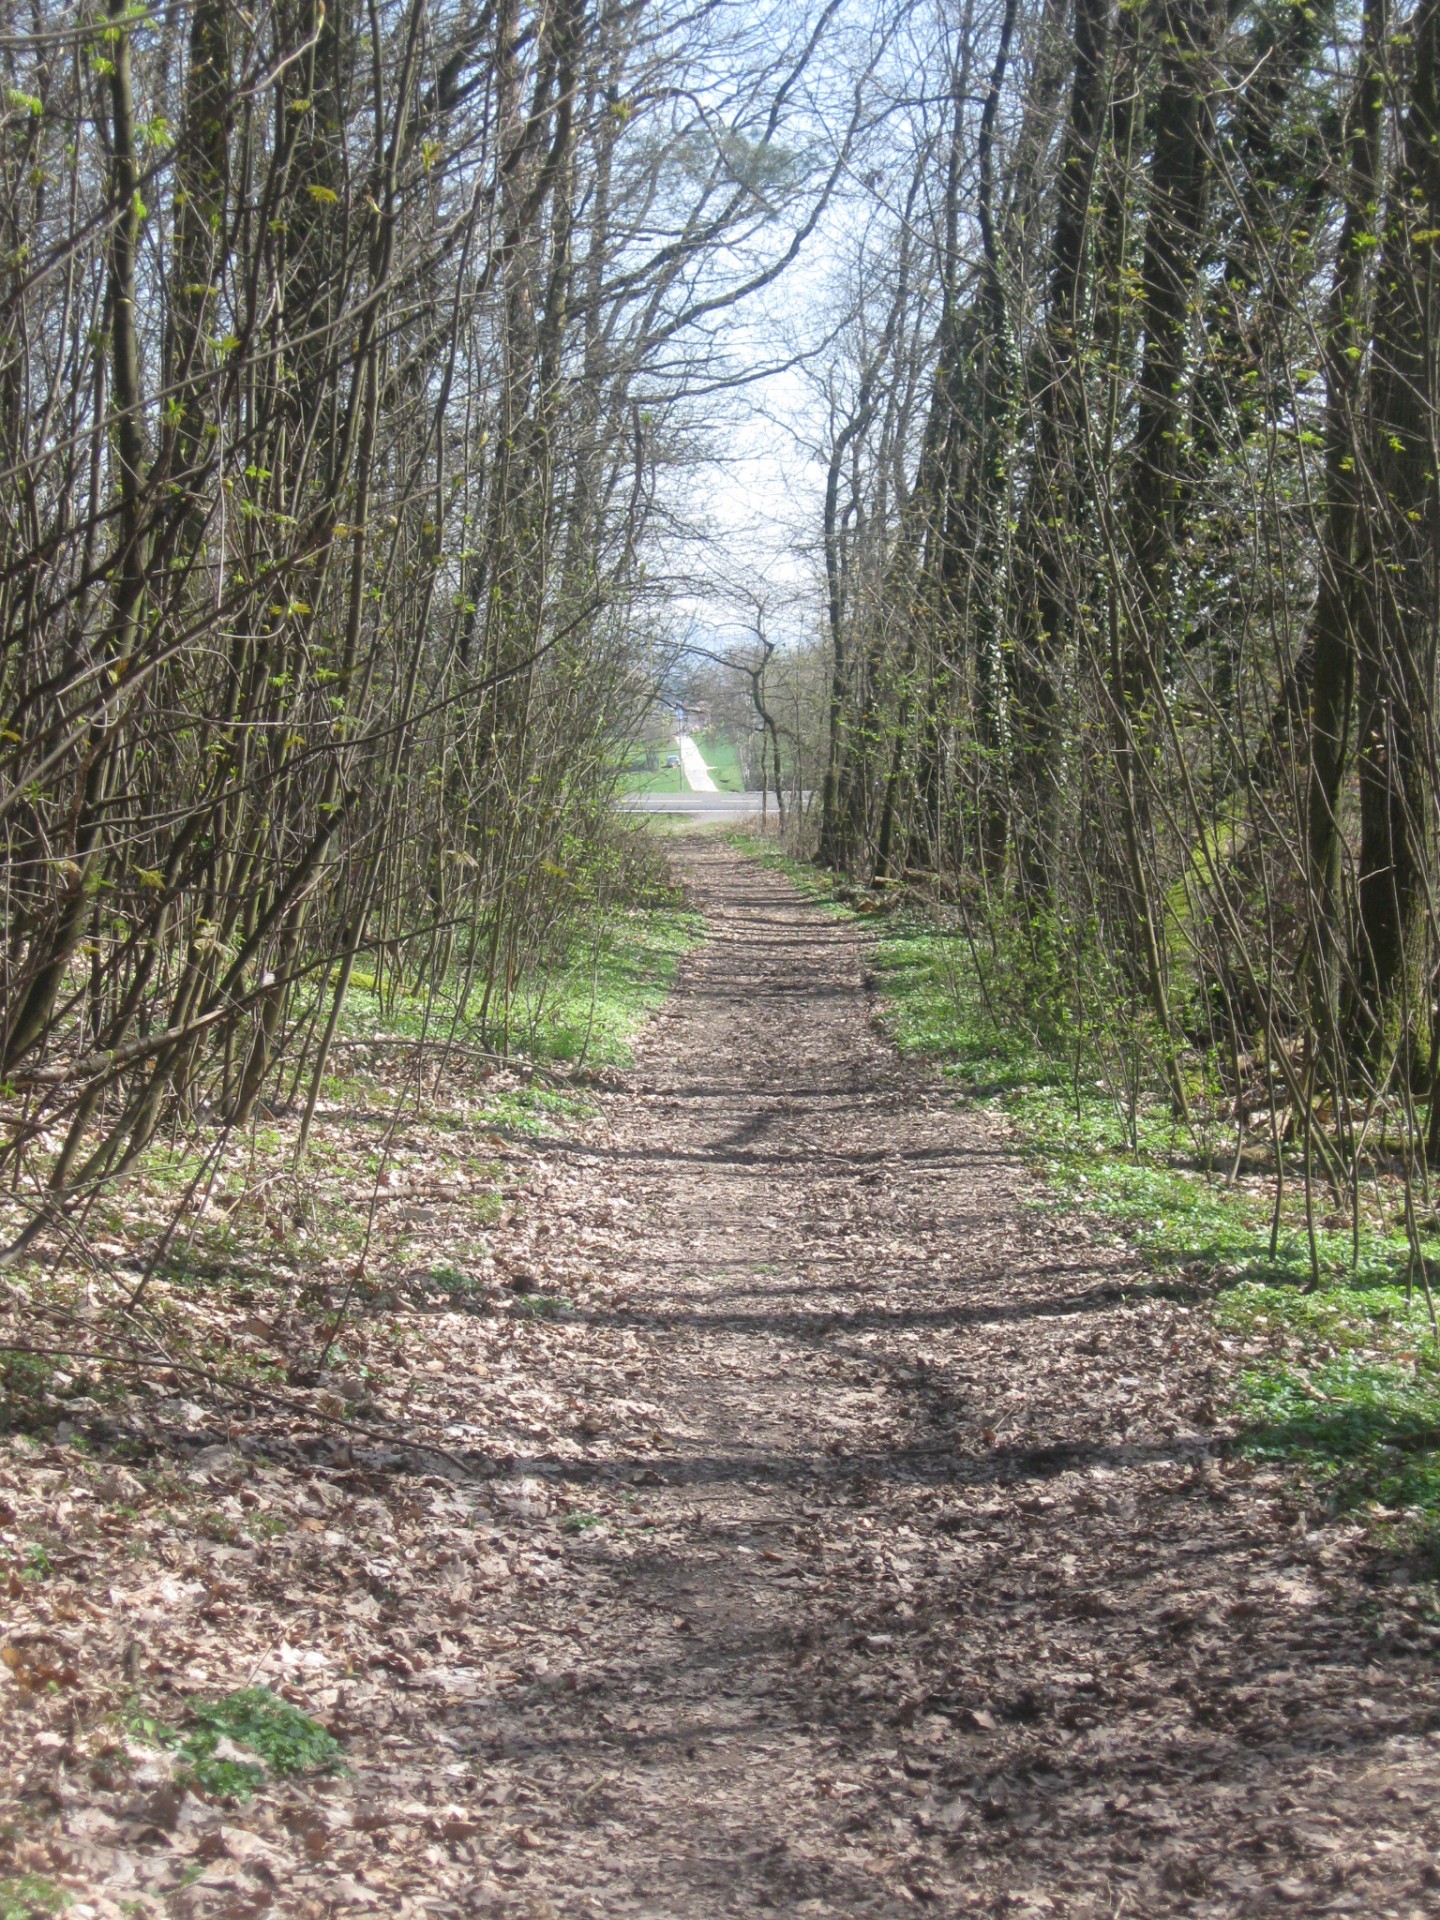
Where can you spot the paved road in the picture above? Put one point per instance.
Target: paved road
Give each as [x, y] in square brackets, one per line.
[704, 808]
[695, 769]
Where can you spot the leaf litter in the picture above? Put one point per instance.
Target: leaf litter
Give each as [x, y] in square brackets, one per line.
[727, 1496]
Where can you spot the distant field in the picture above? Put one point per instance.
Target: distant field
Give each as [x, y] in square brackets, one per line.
[717, 750]
[636, 779]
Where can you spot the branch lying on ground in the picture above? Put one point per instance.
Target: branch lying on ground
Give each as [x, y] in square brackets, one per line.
[163, 1363]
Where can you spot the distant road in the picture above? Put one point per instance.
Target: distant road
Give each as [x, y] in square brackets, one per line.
[701, 807]
[693, 767]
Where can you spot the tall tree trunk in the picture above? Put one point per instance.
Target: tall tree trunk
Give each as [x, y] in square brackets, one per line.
[1053, 510]
[1180, 174]
[1340, 600]
[1397, 653]
[998, 376]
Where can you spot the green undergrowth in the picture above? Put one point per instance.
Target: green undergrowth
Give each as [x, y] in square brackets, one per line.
[27, 1896]
[580, 1011]
[228, 1747]
[1345, 1385]
[1366, 1430]
[589, 1011]
[533, 1111]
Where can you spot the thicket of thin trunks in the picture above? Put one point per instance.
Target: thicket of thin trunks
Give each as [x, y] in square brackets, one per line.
[343, 352]
[1130, 537]
[346, 355]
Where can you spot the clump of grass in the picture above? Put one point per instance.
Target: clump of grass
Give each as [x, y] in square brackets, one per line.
[450, 1287]
[28, 1896]
[26, 1398]
[577, 1522]
[264, 1526]
[38, 1564]
[444, 1277]
[252, 1720]
[542, 1306]
[212, 1525]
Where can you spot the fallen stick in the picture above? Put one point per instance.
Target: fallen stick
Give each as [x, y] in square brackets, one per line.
[243, 1387]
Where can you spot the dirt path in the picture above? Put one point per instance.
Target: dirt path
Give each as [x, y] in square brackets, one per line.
[932, 1592]
[825, 1530]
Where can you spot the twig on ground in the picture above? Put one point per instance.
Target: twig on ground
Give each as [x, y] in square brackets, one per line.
[140, 1364]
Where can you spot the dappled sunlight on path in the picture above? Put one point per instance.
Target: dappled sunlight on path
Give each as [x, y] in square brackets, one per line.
[922, 1580]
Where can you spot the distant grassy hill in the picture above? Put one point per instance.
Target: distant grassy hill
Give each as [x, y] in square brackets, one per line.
[719, 752]
[717, 749]
[636, 778]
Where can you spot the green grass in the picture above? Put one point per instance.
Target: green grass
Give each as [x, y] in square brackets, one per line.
[1139, 1167]
[637, 778]
[1351, 1400]
[579, 1522]
[27, 1896]
[533, 1111]
[579, 1011]
[717, 749]
[284, 1742]
[669, 826]
[721, 756]
[1348, 1391]
[542, 1306]
[1366, 1431]
[587, 1012]
[25, 1395]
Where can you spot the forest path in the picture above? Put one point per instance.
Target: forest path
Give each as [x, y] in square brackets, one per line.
[922, 1586]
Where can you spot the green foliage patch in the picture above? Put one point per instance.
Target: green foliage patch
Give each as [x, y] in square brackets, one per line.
[585, 1011]
[532, 1111]
[25, 1382]
[579, 1010]
[28, 1896]
[577, 1522]
[220, 1736]
[1365, 1430]
[542, 1306]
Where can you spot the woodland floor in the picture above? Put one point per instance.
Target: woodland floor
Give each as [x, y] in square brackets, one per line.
[846, 1536]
